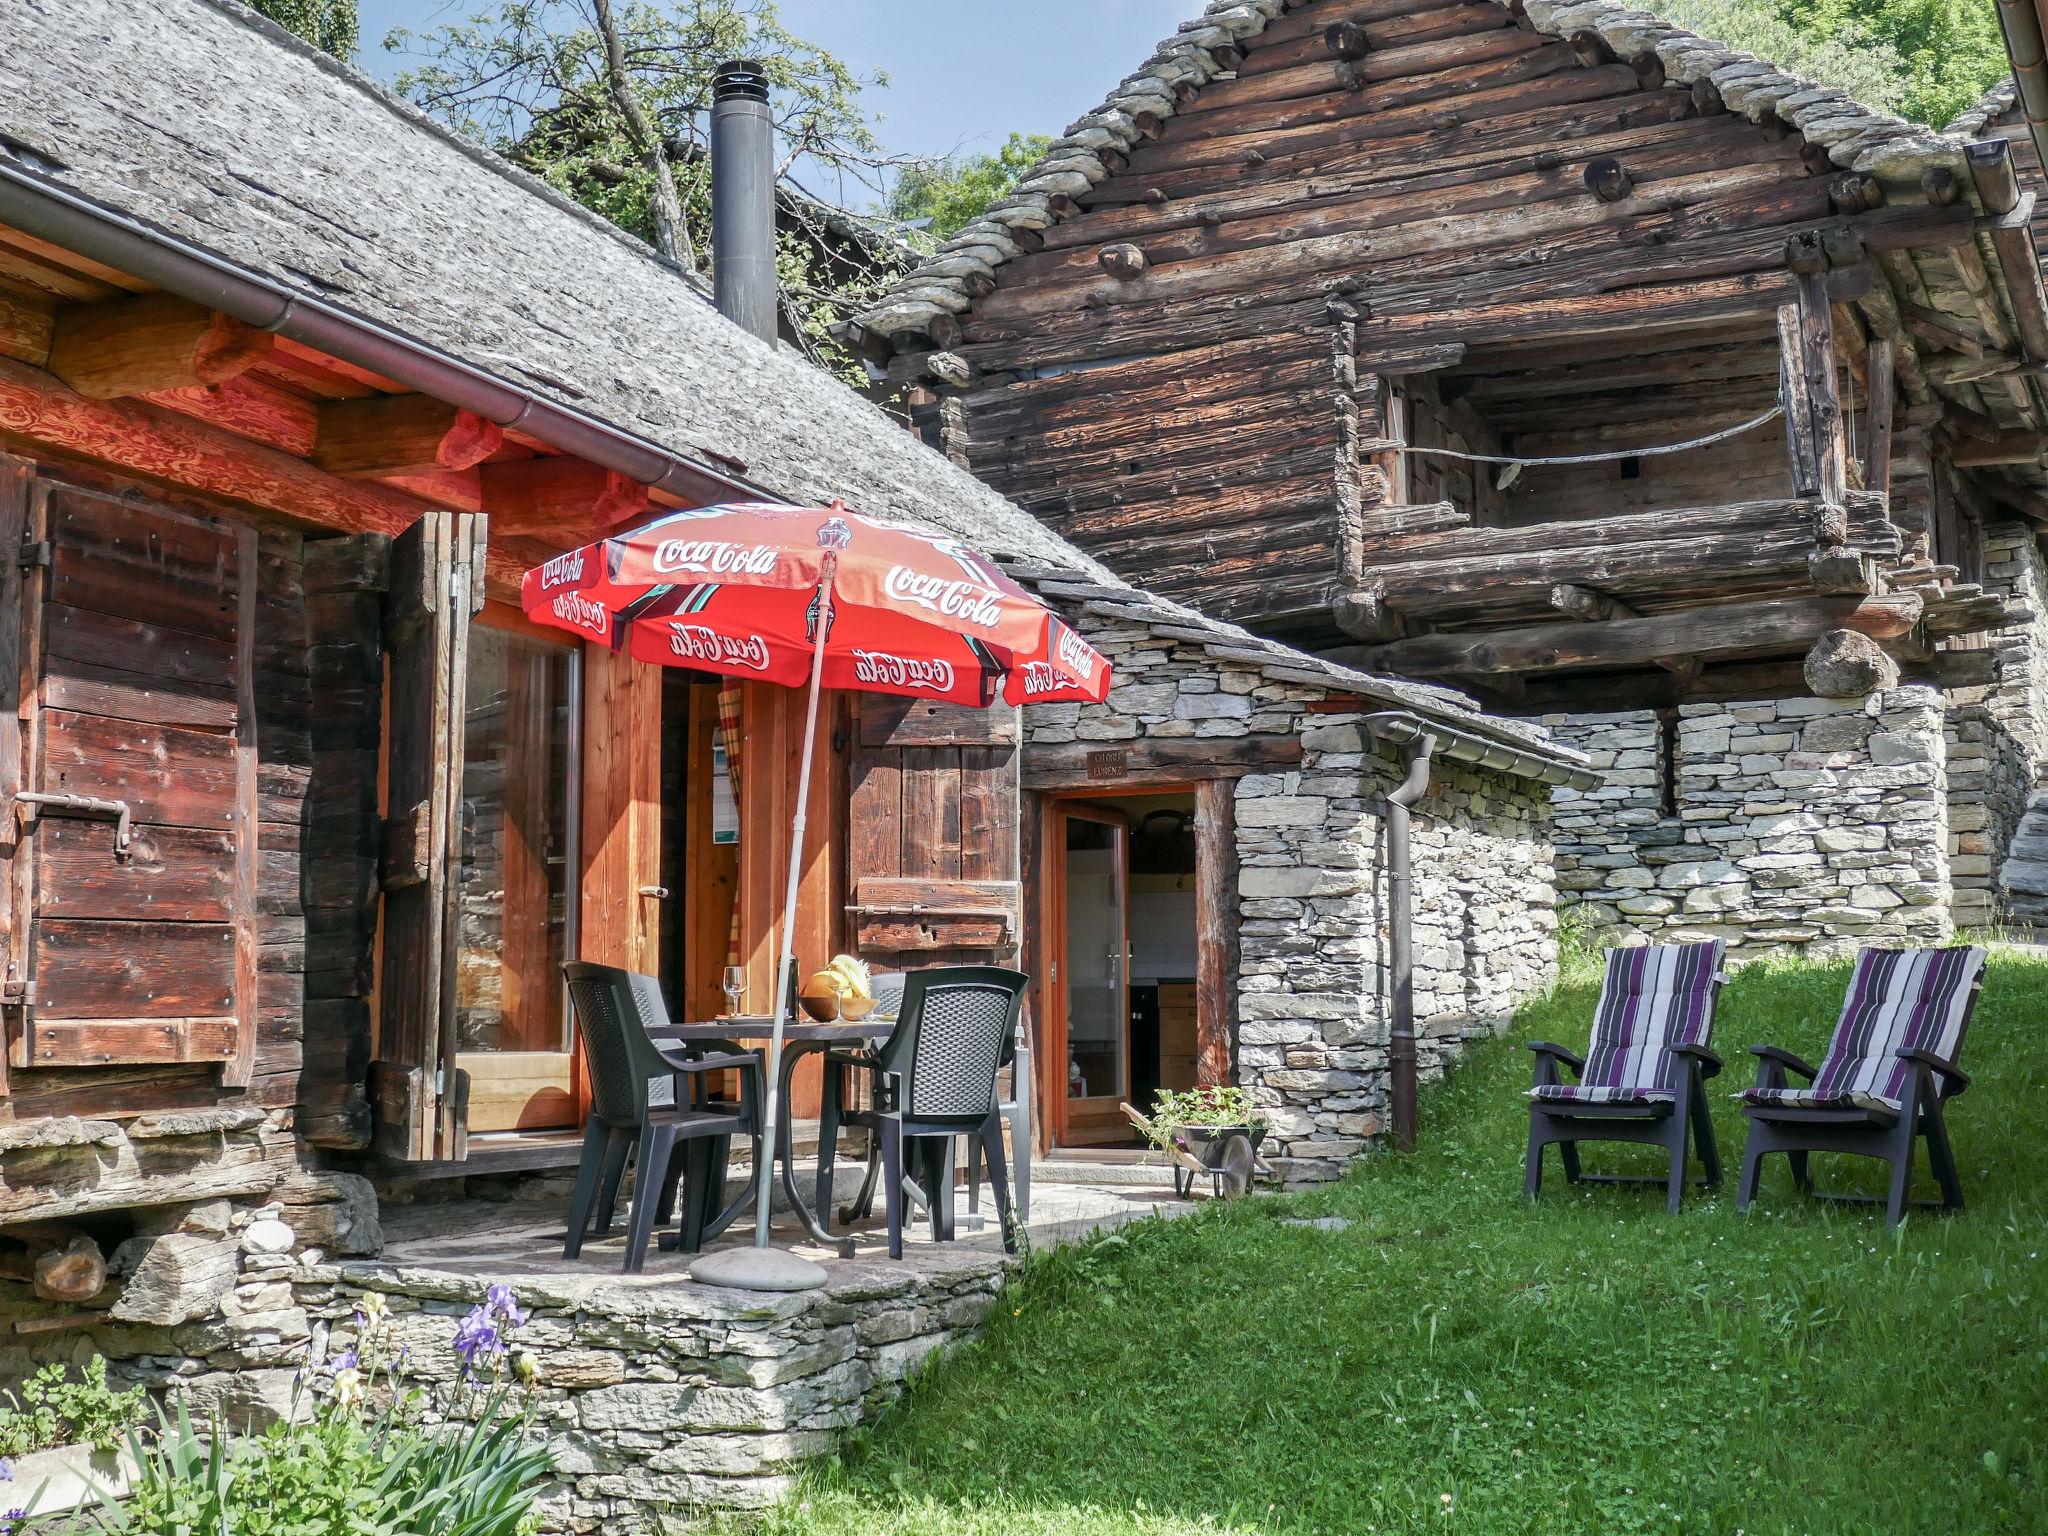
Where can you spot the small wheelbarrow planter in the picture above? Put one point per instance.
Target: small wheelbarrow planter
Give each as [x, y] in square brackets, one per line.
[1226, 1155]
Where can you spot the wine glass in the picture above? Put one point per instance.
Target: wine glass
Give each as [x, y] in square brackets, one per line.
[734, 984]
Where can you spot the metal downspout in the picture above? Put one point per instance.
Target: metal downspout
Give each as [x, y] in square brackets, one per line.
[2020, 20]
[1401, 1055]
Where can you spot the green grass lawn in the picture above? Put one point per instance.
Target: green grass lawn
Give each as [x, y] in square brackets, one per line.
[1460, 1361]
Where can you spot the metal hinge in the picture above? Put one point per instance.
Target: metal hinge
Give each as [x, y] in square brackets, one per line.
[16, 993]
[35, 553]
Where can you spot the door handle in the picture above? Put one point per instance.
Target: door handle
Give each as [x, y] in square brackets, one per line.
[657, 892]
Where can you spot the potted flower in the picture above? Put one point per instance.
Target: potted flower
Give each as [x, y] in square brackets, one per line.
[1205, 1124]
[61, 1440]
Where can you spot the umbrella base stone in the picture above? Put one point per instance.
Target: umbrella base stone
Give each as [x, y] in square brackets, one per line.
[758, 1269]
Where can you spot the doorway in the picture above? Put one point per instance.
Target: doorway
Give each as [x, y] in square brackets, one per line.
[1123, 941]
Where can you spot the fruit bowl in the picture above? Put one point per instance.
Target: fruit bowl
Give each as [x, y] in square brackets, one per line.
[856, 1008]
[820, 1003]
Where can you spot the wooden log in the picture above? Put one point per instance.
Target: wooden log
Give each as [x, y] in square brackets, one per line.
[1649, 70]
[1721, 630]
[2012, 241]
[1363, 614]
[1877, 433]
[1846, 664]
[1587, 605]
[1075, 765]
[1122, 260]
[2006, 448]
[1216, 878]
[149, 342]
[561, 496]
[401, 435]
[1345, 40]
[1608, 180]
[1590, 48]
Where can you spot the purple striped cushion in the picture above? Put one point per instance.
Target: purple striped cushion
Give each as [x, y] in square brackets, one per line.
[1899, 1000]
[1650, 1000]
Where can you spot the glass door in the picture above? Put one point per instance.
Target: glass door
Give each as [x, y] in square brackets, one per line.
[517, 904]
[1094, 974]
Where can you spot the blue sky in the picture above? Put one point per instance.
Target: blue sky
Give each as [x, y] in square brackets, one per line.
[962, 73]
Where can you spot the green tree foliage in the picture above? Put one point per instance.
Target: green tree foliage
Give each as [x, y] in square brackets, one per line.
[946, 195]
[1923, 59]
[612, 105]
[1950, 49]
[331, 25]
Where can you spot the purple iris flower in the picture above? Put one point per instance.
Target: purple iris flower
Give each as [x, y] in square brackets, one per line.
[505, 1302]
[6, 1470]
[345, 1361]
[478, 1339]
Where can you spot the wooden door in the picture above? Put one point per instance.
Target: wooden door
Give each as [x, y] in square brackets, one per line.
[932, 837]
[129, 774]
[1087, 1072]
[436, 588]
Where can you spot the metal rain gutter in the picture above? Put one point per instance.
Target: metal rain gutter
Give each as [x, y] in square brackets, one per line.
[1401, 728]
[50, 211]
[2020, 20]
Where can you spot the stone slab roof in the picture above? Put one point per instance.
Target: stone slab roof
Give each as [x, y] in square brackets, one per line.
[1857, 137]
[206, 122]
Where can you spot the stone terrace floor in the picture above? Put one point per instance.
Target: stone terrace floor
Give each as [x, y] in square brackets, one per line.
[521, 1238]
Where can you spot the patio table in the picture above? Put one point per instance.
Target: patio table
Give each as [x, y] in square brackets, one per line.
[799, 1037]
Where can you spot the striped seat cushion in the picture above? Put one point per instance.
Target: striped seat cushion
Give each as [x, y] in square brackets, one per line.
[1899, 1000]
[1650, 1000]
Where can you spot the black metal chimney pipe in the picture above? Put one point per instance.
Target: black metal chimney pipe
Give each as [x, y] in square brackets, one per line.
[743, 197]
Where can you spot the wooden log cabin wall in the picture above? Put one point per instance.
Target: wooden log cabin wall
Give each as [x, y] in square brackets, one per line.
[1278, 329]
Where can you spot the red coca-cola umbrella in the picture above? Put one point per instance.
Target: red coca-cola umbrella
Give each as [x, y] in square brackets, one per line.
[797, 595]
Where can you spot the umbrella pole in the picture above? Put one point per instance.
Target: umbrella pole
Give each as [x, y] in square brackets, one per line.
[785, 965]
[761, 1267]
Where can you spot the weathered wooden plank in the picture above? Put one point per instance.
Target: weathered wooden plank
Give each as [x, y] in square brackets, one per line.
[1076, 765]
[133, 970]
[51, 1041]
[168, 776]
[152, 341]
[1721, 630]
[171, 874]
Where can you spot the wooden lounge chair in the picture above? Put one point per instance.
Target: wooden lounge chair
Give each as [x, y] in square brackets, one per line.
[1889, 1068]
[1643, 1079]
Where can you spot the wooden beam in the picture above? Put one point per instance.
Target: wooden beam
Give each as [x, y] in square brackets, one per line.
[1085, 764]
[153, 341]
[39, 413]
[1215, 927]
[1877, 436]
[565, 496]
[1722, 630]
[401, 435]
[2007, 448]
[1587, 605]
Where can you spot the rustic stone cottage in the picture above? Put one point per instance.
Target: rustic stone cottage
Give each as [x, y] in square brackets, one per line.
[1554, 353]
[303, 816]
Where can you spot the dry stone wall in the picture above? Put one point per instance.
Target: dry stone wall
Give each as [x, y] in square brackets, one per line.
[1815, 824]
[1312, 1020]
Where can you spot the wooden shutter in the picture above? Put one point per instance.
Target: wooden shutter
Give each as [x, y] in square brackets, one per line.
[132, 707]
[932, 852]
[436, 587]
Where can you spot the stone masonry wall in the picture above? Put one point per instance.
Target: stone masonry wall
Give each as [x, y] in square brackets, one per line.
[1311, 1020]
[1998, 732]
[1813, 824]
[661, 1401]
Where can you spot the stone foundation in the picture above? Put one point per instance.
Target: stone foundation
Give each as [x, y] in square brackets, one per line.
[1812, 824]
[657, 1399]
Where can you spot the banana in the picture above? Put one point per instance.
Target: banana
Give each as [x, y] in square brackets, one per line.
[853, 973]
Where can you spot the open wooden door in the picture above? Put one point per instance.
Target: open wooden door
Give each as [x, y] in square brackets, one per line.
[129, 779]
[437, 585]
